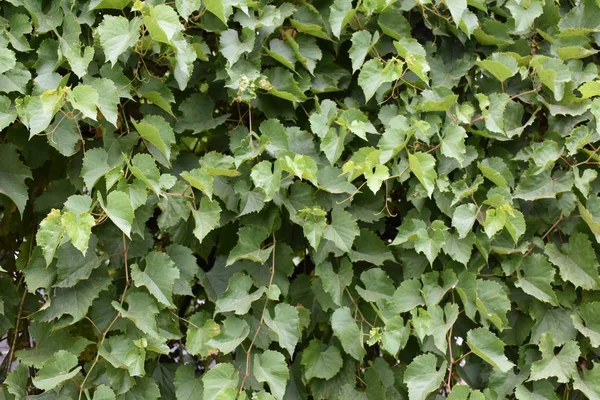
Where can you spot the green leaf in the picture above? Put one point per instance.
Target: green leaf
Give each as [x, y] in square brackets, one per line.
[187, 386]
[56, 369]
[423, 166]
[158, 276]
[378, 285]
[7, 113]
[119, 210]
[487, 346]
[142, 311]
[552, 73]
[121, 352]
[206, 218]
[362, 43]
[232, 47]
[542, 390]
[537, 278]
[201, 329]
[414, 55]
[501, 65]
[453, 142]
[219, 8]
[422, 377]
[463, 219]
[79, 228]
[562, 365]
[576, 261]
[103, 392]
[237, 297]
[248, 246]
[49, 235]
[495, 169]
[340, 14]
[457, 9]
[201, 180]
[373, 74]
[36, 112]
[109, 99]
[342, 230]
[117, 35]
[158, 133]
[267, 176]
[162, 22]
[321, 361]
[270, 367]
[220, 382]
[17, 382]
[335, 283]
[233, 332]
[95, 166]
[347, 331]
[286, 325]
[586, 320]
[12, 176]
[589, 382]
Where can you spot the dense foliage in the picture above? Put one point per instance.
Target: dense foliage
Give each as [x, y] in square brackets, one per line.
[349, 199]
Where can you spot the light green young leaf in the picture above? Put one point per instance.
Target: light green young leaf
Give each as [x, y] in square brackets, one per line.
[414, 55]
[117, 35]
[201, 180]
[119, 210]
[36, 112]
[423, 166]
[206, 218]
[79, 228]
[267, 176]
[457, 9]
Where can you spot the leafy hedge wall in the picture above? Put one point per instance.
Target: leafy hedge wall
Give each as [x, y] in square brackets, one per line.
[349, 199]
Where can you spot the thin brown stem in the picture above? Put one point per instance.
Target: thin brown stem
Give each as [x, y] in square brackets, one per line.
[262, 319]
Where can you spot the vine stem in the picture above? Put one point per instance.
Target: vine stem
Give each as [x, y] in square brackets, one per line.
[449, 379]
[262, 319]
[11, 351]
[127, 283]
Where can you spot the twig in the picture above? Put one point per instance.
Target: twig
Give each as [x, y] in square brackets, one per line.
[262, 319]
[127, 283]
